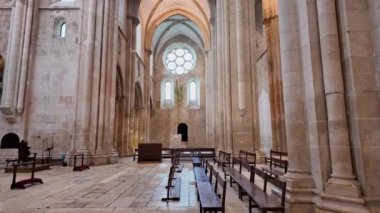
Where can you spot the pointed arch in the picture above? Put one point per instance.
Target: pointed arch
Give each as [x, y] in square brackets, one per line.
[151, 28]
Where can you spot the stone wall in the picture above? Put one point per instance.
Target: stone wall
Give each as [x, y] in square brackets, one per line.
[164, 122]
[53, 83]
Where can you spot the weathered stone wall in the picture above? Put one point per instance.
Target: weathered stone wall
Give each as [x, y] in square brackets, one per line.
[53, 84]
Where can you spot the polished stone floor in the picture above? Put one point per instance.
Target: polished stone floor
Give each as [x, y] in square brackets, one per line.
[122, 187]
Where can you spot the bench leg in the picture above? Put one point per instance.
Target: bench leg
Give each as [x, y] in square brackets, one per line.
[250, 205]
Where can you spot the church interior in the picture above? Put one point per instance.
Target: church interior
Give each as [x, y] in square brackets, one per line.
[190, 106]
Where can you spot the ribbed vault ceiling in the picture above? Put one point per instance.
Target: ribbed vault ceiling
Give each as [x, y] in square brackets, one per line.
[178, 23]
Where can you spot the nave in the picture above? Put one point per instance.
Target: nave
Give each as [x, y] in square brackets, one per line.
[122, 187]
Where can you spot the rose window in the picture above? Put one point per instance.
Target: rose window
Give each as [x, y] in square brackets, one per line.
[179, 60]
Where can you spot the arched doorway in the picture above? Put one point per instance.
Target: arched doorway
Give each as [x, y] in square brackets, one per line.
[182, 129]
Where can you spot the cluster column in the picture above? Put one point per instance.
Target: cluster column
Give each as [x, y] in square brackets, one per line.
[300, 183]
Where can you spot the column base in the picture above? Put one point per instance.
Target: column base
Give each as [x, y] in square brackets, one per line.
[346, 188]
[69, 158]
[341, 196]
[334, 203]
[113, 156]
[300, 194]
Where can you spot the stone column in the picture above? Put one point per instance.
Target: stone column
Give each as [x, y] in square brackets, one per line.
[110, 127]
[226, 79]
[270, 8]
[11, 70]
[300, 183]
[219, 86]
[25, 56]
[342, 181]
[241, 42]
[105, 55]
[85, 84]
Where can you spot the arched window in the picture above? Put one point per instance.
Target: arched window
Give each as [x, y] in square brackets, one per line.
[179, 59]
[62, 32]
[193, 94]
[193, 91]
[167, 93]
[60, 27]
[168, 90]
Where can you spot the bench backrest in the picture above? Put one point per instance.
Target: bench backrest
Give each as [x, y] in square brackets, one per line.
[279, 163]
[248, 156]
[278, 183]
[257, 172]
[278, 154]
[213, 173]
[208, 167]
[245, 165]
[225, 155]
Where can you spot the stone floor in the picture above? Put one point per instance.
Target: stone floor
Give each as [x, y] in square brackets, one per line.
[122, 187]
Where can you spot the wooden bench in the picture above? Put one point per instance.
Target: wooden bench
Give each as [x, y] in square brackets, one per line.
[173, 189]
[258, 197]
[278, 163]
[223, 159]
[209, 198]
[236, 176]
[265, 202]
[185, 153]
[196, 161]
[176, 163]
[200, 173]
[276, 154]
[247, 157]
[274, 164]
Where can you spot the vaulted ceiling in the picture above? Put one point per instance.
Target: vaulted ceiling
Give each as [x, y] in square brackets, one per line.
[164, 19]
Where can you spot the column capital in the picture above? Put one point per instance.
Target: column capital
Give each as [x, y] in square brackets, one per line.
[149, 51]
[135, 20]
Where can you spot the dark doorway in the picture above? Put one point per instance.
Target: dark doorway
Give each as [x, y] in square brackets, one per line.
[10, 141]
[182, 129]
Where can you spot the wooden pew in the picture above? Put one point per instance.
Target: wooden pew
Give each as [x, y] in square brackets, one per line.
[260, 199]
[173, 189]
[236, 176]
[197, 160]
[276, 154]
[278, 164]
[209, 198]
[224, 159]
[247, 157]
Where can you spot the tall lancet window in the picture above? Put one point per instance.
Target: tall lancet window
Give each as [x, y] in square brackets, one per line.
[193, 94]
[62, 32]
[193, 91]
[167, 94]
[168, 90]
[60, 27]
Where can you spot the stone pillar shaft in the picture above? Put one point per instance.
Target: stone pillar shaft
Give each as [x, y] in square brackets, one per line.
[334, 91]
[25, 56]
[300, 185]
[13, 57]
[85, 94]
[293, 89]
[240, 57]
